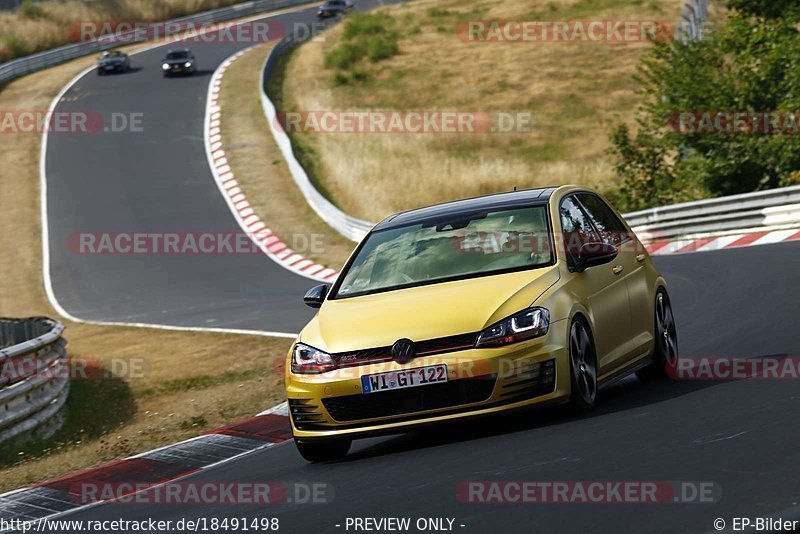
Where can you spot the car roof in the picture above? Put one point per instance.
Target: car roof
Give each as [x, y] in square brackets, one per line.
[452, 210]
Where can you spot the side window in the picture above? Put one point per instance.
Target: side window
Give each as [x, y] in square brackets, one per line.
[576, 226]
[610, 227]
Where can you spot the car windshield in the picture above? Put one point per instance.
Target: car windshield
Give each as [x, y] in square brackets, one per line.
[178, 55]
[334, 4]
[463, 246]
[112, 54]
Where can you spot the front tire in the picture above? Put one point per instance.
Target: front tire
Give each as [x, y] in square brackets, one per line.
[583, 367]
[323, 451]
[665, 349]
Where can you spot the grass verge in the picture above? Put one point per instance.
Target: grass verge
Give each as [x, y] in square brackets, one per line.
[149, 387]
[262, 172]
[576, 92]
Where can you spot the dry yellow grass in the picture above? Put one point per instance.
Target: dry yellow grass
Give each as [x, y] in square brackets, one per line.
[575, 91]
[189, 382]
[261, 171]
[46, 24]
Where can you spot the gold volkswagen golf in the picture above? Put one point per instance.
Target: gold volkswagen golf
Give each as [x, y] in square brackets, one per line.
[473, 307]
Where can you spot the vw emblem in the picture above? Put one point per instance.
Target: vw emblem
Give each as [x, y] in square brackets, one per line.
[403, 350]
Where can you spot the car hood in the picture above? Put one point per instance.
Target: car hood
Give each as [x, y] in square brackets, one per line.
[112, 60]
[177, 61]
[425, 312]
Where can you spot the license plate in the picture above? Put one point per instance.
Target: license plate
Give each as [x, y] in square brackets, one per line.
[407, 378]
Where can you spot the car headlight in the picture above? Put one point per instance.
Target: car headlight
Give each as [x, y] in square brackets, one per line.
[187, 64]
[165, 66]
[527, 324]
[308, 360]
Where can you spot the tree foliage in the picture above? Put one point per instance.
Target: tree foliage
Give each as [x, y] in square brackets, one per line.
[749, 65]
[770, 9]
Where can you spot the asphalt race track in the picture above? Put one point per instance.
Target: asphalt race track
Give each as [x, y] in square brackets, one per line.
[157, 180]
[740, 435]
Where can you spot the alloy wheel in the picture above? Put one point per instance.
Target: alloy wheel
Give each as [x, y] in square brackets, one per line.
[667, 334]
[584, 368]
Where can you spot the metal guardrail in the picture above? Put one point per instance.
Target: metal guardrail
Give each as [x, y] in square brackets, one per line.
[350, 227]
[34, 377]
[25, 65]
[774, 207]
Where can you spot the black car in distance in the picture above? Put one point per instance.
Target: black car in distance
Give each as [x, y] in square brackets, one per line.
[179, 62]
[334, 8]
[112, 61]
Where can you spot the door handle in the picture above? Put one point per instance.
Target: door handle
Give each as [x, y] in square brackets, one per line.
[641, 257]
[617, 269]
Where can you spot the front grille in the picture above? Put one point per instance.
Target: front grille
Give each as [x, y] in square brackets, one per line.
[412, 400]
[427, 347]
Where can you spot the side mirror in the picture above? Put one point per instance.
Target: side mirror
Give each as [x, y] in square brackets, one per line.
[594, 254]
[315, 296]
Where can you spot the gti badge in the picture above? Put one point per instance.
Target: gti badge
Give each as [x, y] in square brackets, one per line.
[403, 351]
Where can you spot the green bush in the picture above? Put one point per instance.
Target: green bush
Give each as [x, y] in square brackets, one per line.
[363, 24]
[340, 78]
[366, 36]
[436, 12]
[360, 75]
[16, 45]
[379, 48]
[32, 10]
[345, 55]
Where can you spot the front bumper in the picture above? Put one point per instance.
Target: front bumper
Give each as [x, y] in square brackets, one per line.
[179, 70]
[480, 382]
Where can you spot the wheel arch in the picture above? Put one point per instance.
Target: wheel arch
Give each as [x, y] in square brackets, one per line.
[579, 313]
